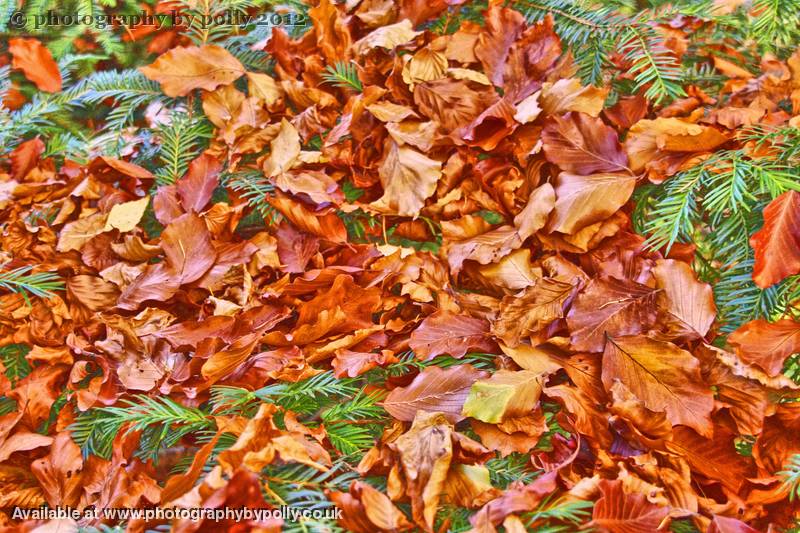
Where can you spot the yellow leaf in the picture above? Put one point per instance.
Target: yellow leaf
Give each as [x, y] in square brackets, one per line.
[469, 75]
[263, 87]
[506, 394]
[569, 95]
[528, 109]
[124, 217]
[285, 149]
[424, 66]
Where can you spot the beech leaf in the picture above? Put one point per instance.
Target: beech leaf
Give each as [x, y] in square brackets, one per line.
[777, 244]
[505, 394]
[663, 376]
[434, 390]
[184, 69]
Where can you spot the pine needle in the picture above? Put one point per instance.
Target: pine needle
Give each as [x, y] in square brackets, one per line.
[343, 75]
[41, 284]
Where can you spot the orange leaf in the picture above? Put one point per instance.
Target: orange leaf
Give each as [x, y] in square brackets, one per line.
[777, 243]
[36, 62]
[663, 377]
[583, 145]
[689, 303]
[766, 344]
[611, 307]
[584, 200]
[187, 245]
[445, 333]
[25, 157]
[619, 512]
[197, 186]
[184, 69]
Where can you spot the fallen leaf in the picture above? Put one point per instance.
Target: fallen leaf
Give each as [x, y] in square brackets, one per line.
[124, 217]
[569, 95]
[723, 524]
[777, 244]
[60, 472]
[425, 454]
[408, 178]
[25, 157]
[663, 376]
[689, 302]
[533, 310]
[493, 245]
[434, 390]
[583, 145]
[388, 37]
[75, 234]
[36, 62]
[187, 246]
[619, 512]
[505, 394]
[584, 200]
[196, 187]
[648, 137]
[766, 344]
[609, 307]
[445, 333]
[184, 69]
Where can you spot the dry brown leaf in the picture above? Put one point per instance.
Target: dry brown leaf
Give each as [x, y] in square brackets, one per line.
[184, 69]
[663, 377]
[435, 391]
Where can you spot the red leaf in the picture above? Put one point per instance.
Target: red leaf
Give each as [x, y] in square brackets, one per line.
[715, 459]
[777, 243]
[610, 306]
[723, 524]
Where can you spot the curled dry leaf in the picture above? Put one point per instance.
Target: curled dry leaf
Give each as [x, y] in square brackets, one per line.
[497, 243]
[647, 138]
[535, 309]
[426, 451]
[409, 178]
